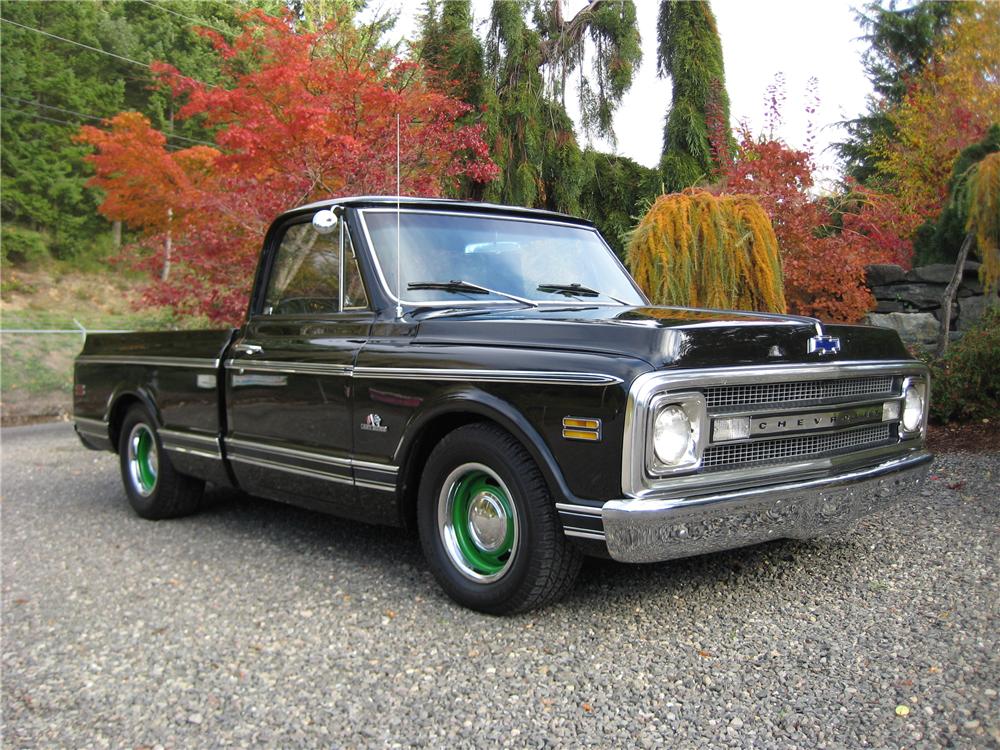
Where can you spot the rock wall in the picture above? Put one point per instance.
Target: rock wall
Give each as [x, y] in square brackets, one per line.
[910, 301]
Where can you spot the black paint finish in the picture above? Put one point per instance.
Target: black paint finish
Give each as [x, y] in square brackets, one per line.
[331, 411]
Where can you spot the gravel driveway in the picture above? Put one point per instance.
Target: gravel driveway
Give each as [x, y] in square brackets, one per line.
[256, 624]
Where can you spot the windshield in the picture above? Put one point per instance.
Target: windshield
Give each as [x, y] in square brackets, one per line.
[513, 256]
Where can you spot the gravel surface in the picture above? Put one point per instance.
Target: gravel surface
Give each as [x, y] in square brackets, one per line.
[256, 624]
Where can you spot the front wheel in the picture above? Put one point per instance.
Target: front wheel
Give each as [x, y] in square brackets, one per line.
[154, 487]
[488, 524]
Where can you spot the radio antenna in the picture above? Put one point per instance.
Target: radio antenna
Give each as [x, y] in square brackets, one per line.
[399, 299]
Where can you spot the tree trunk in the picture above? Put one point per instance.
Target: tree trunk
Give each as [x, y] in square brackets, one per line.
[167, 246]
[949, 295]
[116, 235]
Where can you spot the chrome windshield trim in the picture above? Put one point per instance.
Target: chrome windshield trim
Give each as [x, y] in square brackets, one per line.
[497, 216]
[635, 481]
[543, 377]
[195, 362]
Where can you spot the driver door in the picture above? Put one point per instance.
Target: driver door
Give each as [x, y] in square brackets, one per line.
[289, 378]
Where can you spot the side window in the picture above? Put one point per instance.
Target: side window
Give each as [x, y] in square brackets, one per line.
[354, 288]
[305, 277]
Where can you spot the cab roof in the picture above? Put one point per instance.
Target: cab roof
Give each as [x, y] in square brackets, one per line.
[383, 201]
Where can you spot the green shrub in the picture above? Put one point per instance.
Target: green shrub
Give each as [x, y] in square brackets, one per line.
[965, 382]
[23, 247]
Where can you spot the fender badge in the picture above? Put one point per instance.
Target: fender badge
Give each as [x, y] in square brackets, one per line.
[824, 345]
[373, 423]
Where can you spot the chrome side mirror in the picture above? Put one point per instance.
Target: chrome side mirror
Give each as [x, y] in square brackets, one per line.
[324, 221]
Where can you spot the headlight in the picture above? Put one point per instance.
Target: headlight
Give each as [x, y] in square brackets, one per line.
[675, 432]
[914, 404]
[671, 435]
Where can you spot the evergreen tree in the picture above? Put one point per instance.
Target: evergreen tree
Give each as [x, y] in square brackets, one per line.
[902, 42]
[50, 87]
[697, 127]
[530, 58]
[616, 192]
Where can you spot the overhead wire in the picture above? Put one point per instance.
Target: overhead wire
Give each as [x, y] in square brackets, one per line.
[96, 117]
[92, 49]
[35, 115]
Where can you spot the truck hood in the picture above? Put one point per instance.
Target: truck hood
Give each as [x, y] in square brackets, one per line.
[662, 336]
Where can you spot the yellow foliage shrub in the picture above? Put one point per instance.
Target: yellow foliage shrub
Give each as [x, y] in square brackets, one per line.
[695, 249]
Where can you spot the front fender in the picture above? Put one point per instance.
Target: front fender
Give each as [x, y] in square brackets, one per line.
[467, 400]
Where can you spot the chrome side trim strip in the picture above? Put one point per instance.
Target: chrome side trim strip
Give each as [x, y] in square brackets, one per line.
[583, 510]
[202, 446]
[195, 362]
[192, 452]
[293, 368]
[375, 485]
[584, 534]
[488, 376]
[387, 468]
[206, 440]
[265, 464]
[290, 452]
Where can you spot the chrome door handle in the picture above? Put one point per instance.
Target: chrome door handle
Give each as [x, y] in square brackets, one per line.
[247, 348]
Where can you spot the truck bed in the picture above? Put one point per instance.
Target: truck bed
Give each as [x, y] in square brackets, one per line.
[175, 375]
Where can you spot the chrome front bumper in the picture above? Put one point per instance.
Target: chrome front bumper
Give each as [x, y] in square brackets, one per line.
[649, 530]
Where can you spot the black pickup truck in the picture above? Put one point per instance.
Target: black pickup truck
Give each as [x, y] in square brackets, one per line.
[493, 377]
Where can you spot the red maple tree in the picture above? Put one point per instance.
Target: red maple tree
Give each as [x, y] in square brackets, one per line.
[298, 117]
[823, 264]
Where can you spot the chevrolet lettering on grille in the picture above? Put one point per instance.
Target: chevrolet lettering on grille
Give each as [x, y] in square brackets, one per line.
[815, 420]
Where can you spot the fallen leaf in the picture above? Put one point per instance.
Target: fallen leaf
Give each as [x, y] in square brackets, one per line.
[587, 707]
[902, 710]
[704, 654]
[390, 614]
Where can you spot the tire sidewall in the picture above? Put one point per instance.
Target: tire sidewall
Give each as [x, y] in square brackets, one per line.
[457, 449]
[144, 505]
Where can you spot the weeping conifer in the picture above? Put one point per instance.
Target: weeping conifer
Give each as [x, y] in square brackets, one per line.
[984, 217]
[696, 249]
[690, 53]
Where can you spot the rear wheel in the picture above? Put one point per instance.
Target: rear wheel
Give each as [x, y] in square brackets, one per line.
[154, 488]
[488, 524]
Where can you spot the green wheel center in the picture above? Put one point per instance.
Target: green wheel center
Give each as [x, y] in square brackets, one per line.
[144, 458]
[482, 519]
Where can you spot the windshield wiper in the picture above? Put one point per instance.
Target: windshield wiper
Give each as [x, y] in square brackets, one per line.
[456, 285]
[576, 290]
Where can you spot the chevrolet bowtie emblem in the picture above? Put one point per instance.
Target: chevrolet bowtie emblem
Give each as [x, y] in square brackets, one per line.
[824, 345]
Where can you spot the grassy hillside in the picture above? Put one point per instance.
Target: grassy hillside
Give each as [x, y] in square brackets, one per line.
[36, 370]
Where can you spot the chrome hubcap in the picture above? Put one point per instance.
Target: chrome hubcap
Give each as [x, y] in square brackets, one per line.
[487, 521]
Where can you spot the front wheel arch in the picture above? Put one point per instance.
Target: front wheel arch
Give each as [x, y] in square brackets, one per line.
[429, 427]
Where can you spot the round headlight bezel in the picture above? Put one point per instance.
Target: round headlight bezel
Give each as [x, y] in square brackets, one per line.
[692, 406]
[672, 434]
[913, 407]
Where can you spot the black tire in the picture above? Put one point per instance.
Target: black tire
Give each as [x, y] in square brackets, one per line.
[541, 564]
[154, 487]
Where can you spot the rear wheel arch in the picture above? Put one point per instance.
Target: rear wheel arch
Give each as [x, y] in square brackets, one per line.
[121, 404]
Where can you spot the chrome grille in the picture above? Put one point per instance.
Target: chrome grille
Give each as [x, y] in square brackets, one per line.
[805, 390]
[784, 449]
